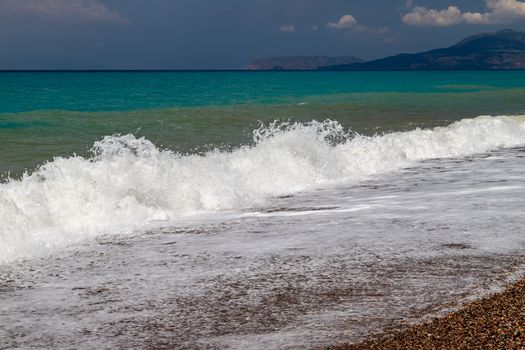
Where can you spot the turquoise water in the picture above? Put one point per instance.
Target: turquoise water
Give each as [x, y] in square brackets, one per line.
[124, 91]
[48, 114]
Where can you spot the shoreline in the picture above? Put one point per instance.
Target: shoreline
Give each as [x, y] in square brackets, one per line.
[496, 321]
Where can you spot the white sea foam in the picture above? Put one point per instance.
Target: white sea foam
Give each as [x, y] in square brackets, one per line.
[130, 184]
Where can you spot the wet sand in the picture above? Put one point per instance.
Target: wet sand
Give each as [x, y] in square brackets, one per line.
[494, 322]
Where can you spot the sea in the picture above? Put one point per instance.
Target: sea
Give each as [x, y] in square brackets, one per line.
[253, 210]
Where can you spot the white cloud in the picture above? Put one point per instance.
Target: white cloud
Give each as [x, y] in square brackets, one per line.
[61, 11]
[347, 21]
[499, 11]
[421, 16]
[289, 28]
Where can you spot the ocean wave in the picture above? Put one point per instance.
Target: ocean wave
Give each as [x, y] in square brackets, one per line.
[128, 183]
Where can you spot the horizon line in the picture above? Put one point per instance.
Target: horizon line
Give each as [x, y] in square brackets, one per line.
[242, 70]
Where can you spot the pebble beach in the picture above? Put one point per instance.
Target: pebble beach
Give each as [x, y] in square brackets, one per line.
[494, 322]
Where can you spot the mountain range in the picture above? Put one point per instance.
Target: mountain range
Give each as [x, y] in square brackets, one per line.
[504, 49]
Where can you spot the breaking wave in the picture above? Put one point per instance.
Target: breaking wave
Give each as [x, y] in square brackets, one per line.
[129, 183]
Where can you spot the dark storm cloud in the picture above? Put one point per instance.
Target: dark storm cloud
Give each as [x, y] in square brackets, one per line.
[199, 34]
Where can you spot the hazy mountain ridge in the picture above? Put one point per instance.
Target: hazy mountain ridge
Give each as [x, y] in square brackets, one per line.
[504, 49]
[300, 62]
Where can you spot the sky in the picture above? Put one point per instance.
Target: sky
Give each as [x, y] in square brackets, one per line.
[228, 34]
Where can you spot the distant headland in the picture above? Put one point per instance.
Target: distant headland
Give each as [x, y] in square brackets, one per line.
[300, 62]
[500, 50]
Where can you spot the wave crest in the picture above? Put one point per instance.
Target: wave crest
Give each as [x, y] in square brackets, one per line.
[129, 183]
